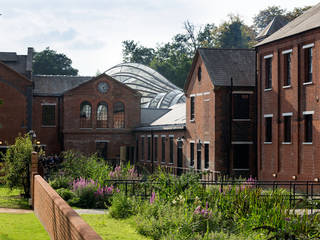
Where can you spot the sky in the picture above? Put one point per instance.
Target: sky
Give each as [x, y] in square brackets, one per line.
[90, 32]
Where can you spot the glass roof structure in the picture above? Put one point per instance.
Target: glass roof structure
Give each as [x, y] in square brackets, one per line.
[156, 90]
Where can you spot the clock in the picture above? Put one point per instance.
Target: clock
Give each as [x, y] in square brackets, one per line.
[103, 87]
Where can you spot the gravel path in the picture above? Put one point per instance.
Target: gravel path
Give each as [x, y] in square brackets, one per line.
[91, 211]
[11, 210]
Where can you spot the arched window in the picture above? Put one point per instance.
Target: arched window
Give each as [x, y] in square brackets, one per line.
[85, 115]
[199, 74]
[118, 115]
[102, 115]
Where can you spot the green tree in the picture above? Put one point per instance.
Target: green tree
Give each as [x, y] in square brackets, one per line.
[17, 160]
[265, 16]
[50, 62]
[135, 52]
[234, 34]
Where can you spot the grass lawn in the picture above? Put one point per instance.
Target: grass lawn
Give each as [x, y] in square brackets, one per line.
[111, 229]
[21, 226]
[12, 199]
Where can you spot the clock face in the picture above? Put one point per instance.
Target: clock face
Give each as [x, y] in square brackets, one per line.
[103, 87]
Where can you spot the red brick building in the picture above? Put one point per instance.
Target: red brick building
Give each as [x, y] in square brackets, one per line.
[220, 111]
[288, 100]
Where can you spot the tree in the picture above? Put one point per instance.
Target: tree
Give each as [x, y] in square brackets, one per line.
[134, 52]
[17, 160]
[265, 16]
[234, 34]
[50, 62]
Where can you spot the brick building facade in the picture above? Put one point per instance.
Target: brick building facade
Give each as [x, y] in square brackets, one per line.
[288, 100]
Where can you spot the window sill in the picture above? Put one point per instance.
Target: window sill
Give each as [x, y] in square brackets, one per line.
[86, 128]
[102, 128]
[241, 120]
[307, 143]
[267, 89]
[267, 142]
[192, 120]
[48, 126]
[170, 163]
[307, 83]
[286, 143]
[240, 169]
[288, 86]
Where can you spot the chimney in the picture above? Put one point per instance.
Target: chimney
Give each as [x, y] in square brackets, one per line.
[29, 62]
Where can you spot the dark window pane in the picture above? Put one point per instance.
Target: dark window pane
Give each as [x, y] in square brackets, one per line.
[191, 154]
[48, 115]
[287, 128]
[199, 74]
[241, 106]
[171, 149]
[142, 149]
[268, 126]
[155, 149]
[268, 76]
[118, 115]
[308, 128]
[85, 115]
[206, 155]
[102, 115]
[287, 71]
[308, 61]
[240, 156]
[191, 108]
[102, 149]
[163, 149]
[199, 156]
[149, 149]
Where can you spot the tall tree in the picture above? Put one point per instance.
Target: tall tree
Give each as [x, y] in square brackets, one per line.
[135, 52]
[234, 34]
[50, 62]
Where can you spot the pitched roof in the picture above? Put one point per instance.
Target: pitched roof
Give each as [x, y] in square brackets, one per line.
[276, 23]
[224, 64]
[307, 21]
[52, 85]
[176, 115]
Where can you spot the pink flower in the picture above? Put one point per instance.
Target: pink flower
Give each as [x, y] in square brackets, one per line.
[152, 198]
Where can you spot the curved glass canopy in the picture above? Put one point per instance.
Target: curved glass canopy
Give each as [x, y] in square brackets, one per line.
[156, 90]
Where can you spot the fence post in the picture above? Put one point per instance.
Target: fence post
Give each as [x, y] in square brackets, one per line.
[33, 172]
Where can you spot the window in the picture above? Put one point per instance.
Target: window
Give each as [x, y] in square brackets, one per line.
[163, 149]
[268, 83]
[191, 154]
[171, 149]
[268, 130]
[48, 115]
[308, 65]
[118, 115]
[137, 150]
[287, 129]
[142, 148]
[155, 149]
[149, 148]
[102, 149]
[206, 155]
[241, 106]
[240, 156]
[287, 69]
[199, 74]
[199, 156]
[85, 115]
[102, 115]
[308, 128]
[192, 108]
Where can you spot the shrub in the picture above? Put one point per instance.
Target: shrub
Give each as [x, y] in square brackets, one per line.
[66, 194]
[122, 206]
[60, 182]
[17, 160]
[84, 190]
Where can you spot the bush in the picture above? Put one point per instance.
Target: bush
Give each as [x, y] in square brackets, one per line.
[66, 194]
[121, 206]
[60, 182]
[17, 161]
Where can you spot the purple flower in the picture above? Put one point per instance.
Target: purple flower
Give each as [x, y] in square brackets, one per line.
[152, 198]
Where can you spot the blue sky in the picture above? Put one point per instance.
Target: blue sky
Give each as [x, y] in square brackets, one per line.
[90, 32]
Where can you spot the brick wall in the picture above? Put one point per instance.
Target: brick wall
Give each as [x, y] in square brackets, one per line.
[57, 217]
[279, 159]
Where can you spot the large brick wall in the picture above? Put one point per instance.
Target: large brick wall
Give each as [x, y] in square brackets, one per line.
[56, 216]
[278, 160]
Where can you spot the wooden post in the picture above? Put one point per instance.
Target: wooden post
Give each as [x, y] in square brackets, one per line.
[33, 172]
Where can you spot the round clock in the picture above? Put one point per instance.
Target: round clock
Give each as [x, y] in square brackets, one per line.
[103, 87]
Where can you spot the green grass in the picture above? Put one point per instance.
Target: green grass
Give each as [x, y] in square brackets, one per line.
[12, 199]
[20, 227]
[111, 229]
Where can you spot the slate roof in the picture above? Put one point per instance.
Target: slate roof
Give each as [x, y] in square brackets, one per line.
[307, 21]
[56, 85]
[224, 64]
[276, 23]
[176, 115]
[8, 57]
[148, 115]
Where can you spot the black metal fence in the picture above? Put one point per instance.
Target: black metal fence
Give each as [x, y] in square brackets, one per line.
[301, 194]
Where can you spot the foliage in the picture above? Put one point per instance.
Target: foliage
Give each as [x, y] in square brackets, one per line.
[21, 226]
[265, 16]
[17, 160]
[49, 62]
[85, 191]
[121, 206]
[66, 194]
[60, 182]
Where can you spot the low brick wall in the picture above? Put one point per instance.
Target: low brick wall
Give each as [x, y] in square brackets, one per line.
[57, 217]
